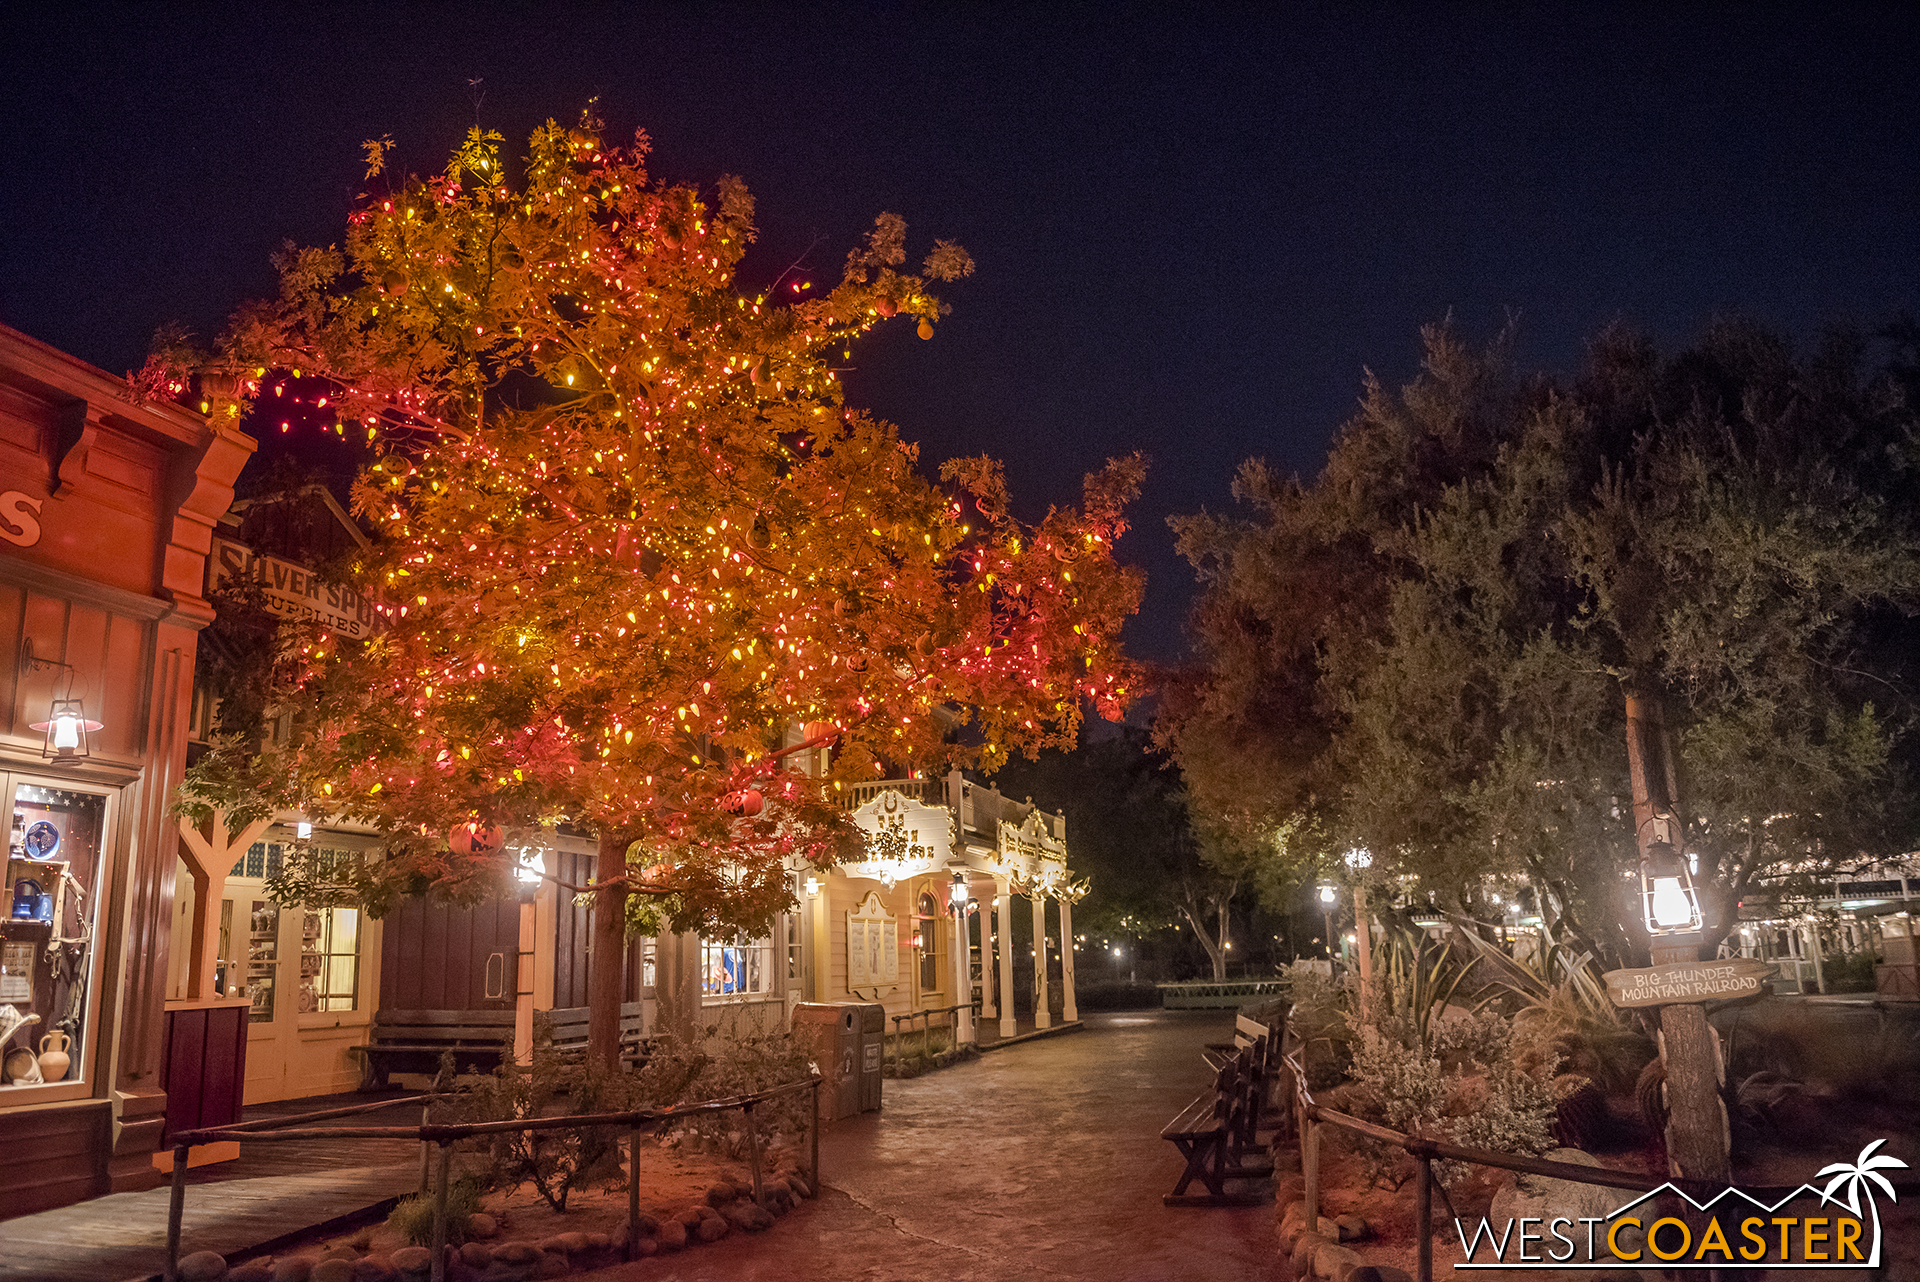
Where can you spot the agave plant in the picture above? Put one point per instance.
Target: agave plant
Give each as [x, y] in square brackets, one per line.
[1562, 989]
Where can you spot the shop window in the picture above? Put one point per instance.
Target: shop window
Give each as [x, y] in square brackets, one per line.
[329, 960]
[262, 860]
[263, 956]
[927, 925]
[740, 968]
[49, 902]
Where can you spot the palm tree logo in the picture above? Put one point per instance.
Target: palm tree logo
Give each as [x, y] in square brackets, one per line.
[1863, 1175]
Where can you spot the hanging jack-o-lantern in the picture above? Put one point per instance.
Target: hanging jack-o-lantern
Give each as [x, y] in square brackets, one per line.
[477, 839]
[926, 329]
[746, 802]
[819, 730]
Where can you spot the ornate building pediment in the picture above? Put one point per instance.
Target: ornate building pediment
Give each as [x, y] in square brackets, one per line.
[905, 838]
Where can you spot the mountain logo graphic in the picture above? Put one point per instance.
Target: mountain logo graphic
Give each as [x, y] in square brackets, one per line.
[1761, 1236]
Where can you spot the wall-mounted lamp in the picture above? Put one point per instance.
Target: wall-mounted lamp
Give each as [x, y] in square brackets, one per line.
[813, 886]
[67, 725]
[957, 892]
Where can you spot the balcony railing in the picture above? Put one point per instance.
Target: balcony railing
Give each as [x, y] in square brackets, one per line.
[981, 807]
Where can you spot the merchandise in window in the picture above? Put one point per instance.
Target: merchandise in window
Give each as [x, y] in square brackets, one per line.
[741, 968]
[49, 900]
[329, 960]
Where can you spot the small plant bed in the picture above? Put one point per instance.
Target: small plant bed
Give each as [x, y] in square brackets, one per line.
[689, 1196]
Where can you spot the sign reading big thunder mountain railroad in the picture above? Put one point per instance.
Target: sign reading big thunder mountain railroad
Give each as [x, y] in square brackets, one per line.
[1687, 982]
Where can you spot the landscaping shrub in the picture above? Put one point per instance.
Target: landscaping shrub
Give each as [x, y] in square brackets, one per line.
[412, 1219]
[720, 1063]
[555, 1162]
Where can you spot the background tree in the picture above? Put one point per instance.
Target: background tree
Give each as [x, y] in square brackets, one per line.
[1454, 608]
[629, 532]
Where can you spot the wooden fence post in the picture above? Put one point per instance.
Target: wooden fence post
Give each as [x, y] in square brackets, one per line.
[176, 1207]
[753, 1153]
[441, 1180]
[1310, 1165]
[1424, 1224]
[813, 1173]
[633, 1191]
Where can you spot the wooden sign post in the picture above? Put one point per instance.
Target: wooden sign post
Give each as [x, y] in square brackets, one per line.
[1687, 981]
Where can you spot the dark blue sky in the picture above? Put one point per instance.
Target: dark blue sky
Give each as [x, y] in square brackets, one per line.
[1195, 226]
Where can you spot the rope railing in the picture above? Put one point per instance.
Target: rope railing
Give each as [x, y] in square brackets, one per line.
[1311, 1115]
[441, 1136]
[952, 1013]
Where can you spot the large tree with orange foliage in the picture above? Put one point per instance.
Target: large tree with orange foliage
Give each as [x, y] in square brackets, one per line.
[629, 532]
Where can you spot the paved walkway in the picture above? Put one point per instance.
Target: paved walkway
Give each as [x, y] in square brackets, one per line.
[1043, 1163]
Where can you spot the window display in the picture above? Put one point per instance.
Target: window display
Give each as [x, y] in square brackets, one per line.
[738, 969]
[263, 958]
[53, 876]
[329, 960]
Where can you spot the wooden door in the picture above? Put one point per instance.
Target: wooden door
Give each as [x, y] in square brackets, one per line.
[437, 957]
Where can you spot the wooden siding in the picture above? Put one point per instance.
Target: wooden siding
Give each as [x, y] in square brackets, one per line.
[435, 957]
[55, 1155]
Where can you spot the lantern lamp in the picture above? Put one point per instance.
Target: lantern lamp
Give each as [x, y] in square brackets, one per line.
[1328, 895]
[813, 886]
[1668, 899]
[66, 728]
[957, 893]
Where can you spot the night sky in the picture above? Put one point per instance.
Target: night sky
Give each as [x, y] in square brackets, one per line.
[1195, 227]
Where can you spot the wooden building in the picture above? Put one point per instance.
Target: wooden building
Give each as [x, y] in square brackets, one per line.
[107, 513]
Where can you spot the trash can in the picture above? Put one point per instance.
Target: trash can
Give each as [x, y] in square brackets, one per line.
[873, 1052]
[831, 1034]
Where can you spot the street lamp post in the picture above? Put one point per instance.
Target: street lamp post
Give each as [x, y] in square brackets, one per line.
[1328, 897]
[1358, 861]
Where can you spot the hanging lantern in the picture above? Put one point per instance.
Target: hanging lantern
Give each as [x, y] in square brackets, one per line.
[1668, 899]
[67, 728]
[476, 839]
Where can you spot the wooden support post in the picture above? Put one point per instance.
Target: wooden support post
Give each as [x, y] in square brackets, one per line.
[1424, 1224]
[753, 1155]
[813, 1172]
[1310, 1165]
[633, 1192]
[426, 1148]
[176, 1207]
[442, 1178]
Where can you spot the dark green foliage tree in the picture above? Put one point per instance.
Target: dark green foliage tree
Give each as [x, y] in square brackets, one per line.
[1424, 651]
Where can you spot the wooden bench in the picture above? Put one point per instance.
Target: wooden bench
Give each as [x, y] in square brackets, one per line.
[1218, 1133]
[565, 1030]
[412, 1041]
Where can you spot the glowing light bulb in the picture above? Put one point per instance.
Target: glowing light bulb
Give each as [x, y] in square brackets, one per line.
[1670, 904]
[66, 733]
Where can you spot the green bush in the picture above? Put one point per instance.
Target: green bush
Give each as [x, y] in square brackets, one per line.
[721, 1064]
[555, 1162]
[412, 1219]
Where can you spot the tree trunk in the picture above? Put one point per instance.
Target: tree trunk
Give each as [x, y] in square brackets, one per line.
[606, 959]
[1696, 1126]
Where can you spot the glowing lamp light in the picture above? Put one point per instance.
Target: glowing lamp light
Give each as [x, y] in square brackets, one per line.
[303, 830]
[1671, 907]
[1668, 899]
[530, 867]
[66, 728]
[813, 887]
[957, 893]
[1328, 895]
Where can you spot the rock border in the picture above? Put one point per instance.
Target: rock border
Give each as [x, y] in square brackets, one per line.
[728, 1208]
